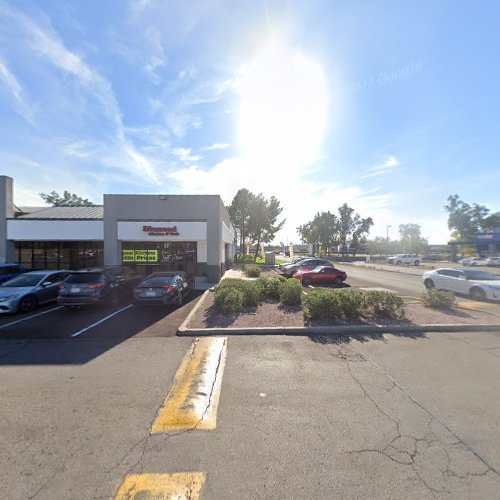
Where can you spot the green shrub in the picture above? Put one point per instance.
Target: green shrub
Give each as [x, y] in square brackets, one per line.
[290, 292]
[321, 304]
[229, 300]
[383, 304]
[252, 270]
[351, 303]
[251, 289]
[270, 287]
[245, 258]
[438, 299]
[326, 305]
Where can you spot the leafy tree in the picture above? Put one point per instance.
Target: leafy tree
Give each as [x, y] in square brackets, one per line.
[239, 213]
[379, 245]
[322, 230]
[67, 199]
[491, 223]
[263, 219]
[411, 238]
[352, 227]
[465, 220]
[360, 234]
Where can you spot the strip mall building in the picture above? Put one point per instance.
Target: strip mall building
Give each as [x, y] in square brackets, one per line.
[192, 233]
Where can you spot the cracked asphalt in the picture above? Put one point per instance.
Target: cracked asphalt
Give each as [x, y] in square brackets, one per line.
[377, 417]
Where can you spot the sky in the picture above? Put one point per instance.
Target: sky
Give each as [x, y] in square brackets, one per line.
[390, 106]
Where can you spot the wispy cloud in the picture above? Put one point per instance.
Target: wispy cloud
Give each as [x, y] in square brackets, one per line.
[217, 145]
[388, 166]
[46, 42]
[15, 88]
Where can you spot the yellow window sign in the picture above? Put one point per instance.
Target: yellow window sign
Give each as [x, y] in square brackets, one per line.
[128, 256]
[140, 256]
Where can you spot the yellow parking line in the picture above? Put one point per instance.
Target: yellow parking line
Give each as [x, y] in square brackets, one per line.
[477, 305]
[193, 400]
[178, 486]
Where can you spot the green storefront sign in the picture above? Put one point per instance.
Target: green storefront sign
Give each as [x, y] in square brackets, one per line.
[139, 256]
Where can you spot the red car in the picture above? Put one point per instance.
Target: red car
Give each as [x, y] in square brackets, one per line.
[321, 275]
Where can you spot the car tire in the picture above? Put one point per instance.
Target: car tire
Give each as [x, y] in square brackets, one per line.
[337, 282]
[428, 283]
[306, 281]
[398, 263]
[477, 293]
[115, 299]
[417, 262]
[179, 301]
[27, 304]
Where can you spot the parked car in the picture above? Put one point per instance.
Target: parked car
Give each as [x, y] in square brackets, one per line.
[8, 271]
[477, 284]
[321, 275]
[29, 290]
[167, 288]
[493, 261]
[404, 258]
[473, 261]
[97, 286]
[308, 263]
[294, 261]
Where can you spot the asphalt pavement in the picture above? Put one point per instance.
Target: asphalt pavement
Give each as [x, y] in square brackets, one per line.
[379, 416]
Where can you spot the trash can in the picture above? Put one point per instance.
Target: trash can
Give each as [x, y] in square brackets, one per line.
[270, 258]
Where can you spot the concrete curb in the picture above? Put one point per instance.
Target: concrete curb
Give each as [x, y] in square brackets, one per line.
[334, 330]
[397, 271]
[183, 326]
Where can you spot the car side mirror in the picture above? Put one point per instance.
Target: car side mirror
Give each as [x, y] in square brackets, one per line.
[45, 284]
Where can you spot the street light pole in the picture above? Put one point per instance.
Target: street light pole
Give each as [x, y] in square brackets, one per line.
[388, 239]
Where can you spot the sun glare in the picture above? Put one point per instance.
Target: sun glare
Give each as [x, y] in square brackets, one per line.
[283, 109]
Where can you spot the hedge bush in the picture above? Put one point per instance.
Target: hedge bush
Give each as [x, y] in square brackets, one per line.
[383, 304]
[252, 270]
[270, 287]
[327, 305]
[438, 299]
[229, 300]
[290, 292]
[321, 304]
[251, 289]
[245, 258]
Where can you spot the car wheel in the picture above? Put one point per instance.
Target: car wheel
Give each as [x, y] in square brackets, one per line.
[27, 304]
[337, 282]
[306, 281]
[179, 301]
[398, 263]
[478, 293]
[417, 263]
[115, 299]
[429, 283]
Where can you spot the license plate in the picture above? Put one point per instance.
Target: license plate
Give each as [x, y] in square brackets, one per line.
[150, 294]
[76, 289]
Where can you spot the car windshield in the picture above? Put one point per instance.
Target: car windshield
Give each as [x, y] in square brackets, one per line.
[83, 278]
[158, 281]
[481, 276]
[24, 280]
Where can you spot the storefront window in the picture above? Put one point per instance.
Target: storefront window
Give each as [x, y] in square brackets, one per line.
[59, 254]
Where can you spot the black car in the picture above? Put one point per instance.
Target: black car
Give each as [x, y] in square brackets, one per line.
[167, 288]
[97, 285]
[291, 269]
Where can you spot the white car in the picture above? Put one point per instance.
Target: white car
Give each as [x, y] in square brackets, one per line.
[477, 284]
[473, 261]
[493, 262]
[404, 258]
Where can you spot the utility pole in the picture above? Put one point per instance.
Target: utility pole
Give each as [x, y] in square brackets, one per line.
[388, 239]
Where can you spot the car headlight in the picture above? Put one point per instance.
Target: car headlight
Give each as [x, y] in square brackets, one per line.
[9, 297]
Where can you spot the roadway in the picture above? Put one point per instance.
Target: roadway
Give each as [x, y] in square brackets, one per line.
[401, 416]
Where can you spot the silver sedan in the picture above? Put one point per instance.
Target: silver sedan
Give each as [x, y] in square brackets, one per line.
[26, 291]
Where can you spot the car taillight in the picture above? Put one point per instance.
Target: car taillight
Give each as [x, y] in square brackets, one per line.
[168, 288]
[96, 285]
[62, 287]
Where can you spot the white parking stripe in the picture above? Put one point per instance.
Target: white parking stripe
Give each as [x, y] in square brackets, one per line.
[29, 317]
[83, 330]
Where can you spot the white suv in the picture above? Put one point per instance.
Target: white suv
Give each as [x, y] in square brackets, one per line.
[405, 258]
